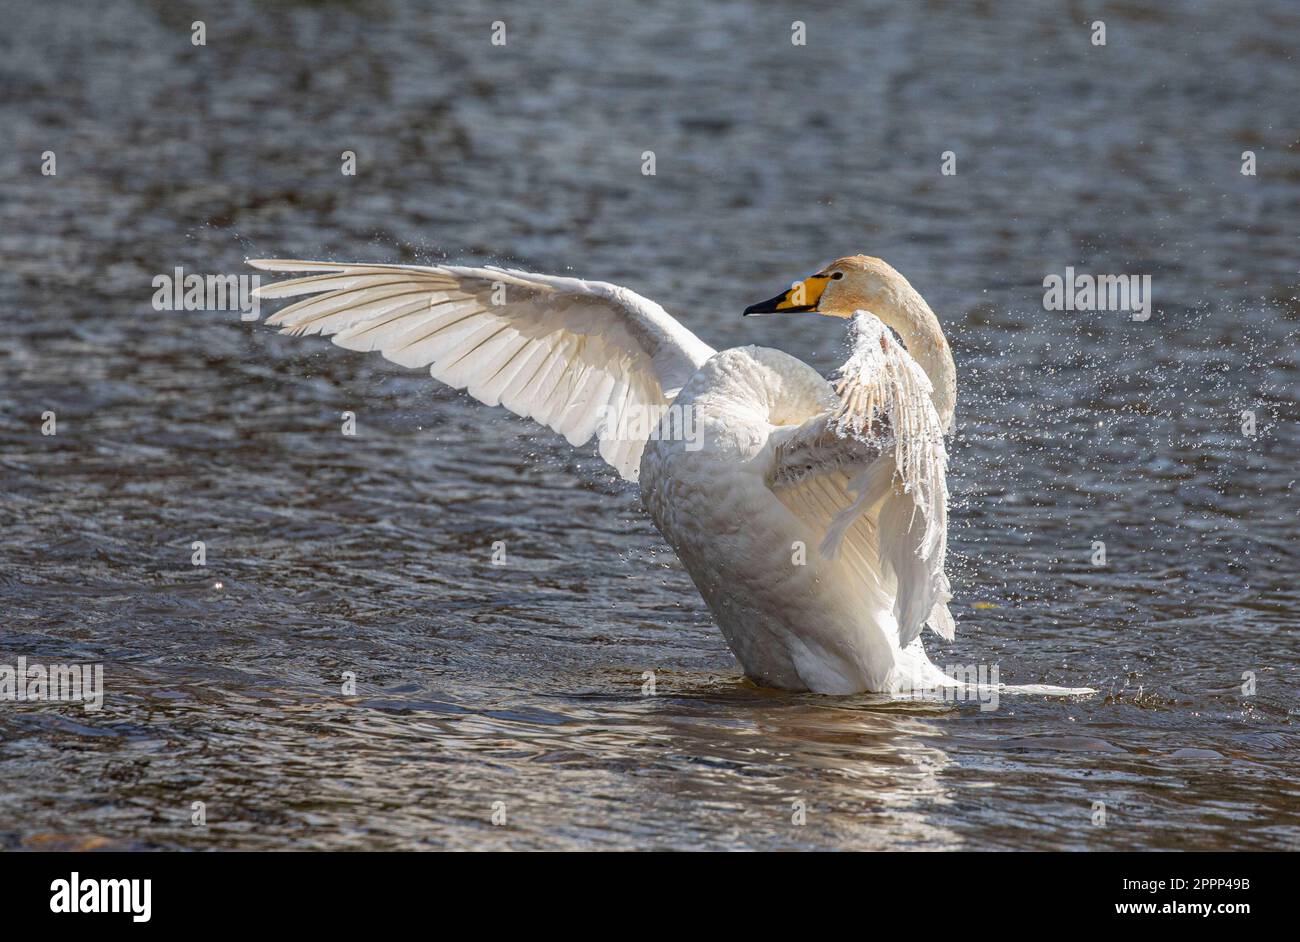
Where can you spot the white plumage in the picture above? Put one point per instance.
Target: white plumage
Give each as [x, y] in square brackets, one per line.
[812, 516]
[573, 355]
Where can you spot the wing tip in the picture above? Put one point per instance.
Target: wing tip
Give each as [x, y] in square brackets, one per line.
[294, 264]
[942, 623]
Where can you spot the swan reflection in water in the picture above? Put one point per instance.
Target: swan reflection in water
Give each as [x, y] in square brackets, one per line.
[704, 763]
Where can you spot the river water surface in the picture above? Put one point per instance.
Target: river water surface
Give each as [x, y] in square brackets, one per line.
[522, 684]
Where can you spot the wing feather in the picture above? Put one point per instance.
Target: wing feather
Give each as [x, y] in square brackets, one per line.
[870, 475]
[577, 356]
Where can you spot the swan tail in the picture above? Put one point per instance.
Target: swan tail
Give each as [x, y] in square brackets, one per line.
[916, 676]
[1046, 690]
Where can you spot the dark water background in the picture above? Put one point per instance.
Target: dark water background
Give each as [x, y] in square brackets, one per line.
[522, 683]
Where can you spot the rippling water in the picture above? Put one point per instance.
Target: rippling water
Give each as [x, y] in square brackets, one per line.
[521, 684]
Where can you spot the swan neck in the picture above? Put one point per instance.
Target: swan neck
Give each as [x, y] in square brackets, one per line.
[919, 329]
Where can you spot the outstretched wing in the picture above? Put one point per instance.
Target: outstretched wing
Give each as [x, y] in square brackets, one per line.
[871, 474]
[581, 357]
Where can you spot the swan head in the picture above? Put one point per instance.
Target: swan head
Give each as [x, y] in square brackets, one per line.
[863, 283]
[841, 289]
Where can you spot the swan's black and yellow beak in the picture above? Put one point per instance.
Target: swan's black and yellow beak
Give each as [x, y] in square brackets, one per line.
[802, 296]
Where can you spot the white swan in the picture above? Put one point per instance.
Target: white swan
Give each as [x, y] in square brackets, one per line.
[812, 517]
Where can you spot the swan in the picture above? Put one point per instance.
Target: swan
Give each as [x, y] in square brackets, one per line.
[811, 514]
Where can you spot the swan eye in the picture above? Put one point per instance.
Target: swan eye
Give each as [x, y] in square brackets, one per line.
[837, 275]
